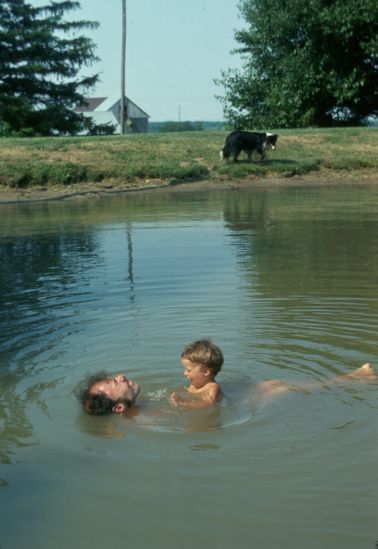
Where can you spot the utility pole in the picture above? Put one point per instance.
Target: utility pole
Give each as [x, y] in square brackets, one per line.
[123, 65]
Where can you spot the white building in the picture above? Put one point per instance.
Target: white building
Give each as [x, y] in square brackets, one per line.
[106, 111]
[372, 121]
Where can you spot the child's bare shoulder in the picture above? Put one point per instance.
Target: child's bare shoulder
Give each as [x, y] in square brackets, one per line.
[212, 392]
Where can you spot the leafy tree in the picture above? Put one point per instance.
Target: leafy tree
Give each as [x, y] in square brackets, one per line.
[305, 62]
[41, 55]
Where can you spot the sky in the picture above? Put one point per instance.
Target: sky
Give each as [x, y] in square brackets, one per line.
[174, 51]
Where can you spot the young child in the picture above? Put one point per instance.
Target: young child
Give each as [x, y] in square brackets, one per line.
[202, 361]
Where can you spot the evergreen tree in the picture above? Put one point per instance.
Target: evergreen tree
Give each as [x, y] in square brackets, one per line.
[41, 55]
[305, 62]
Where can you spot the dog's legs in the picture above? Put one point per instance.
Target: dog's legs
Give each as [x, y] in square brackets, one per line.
[235, 154]
[262, 153]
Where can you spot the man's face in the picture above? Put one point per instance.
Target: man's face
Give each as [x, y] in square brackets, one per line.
[118, 388]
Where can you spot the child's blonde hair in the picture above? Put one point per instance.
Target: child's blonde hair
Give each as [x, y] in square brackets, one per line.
[205, 353]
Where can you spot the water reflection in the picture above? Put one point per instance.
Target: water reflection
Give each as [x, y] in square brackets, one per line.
[36, 272]
[283, 280]
[15, 426]
[311, 265]
[306, 252]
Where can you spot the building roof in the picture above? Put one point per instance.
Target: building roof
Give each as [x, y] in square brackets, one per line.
[100, 104]
[109, 102]
[91, 104]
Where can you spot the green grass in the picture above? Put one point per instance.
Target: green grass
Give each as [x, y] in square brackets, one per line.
[177, 157]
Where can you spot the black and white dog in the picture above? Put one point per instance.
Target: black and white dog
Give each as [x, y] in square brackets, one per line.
[249, 142]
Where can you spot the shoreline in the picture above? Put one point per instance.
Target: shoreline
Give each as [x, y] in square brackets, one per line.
[97, 190]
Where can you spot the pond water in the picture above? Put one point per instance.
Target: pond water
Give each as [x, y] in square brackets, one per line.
[284, 280]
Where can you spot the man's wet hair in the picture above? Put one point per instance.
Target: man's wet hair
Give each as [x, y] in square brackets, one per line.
[98, 404]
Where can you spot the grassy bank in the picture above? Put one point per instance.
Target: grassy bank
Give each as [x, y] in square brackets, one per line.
[178, 157]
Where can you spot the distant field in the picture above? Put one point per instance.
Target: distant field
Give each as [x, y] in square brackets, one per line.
[176, 157]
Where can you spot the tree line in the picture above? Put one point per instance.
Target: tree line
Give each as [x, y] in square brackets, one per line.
[304, 63]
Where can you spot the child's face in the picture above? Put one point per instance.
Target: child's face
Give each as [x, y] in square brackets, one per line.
[197, 375]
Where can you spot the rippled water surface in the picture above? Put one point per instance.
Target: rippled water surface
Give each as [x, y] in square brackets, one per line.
[284, 280]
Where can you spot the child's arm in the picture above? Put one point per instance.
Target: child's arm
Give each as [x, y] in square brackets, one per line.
[203, 400]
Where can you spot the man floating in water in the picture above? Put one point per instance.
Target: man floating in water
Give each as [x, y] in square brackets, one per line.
[103, 393]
